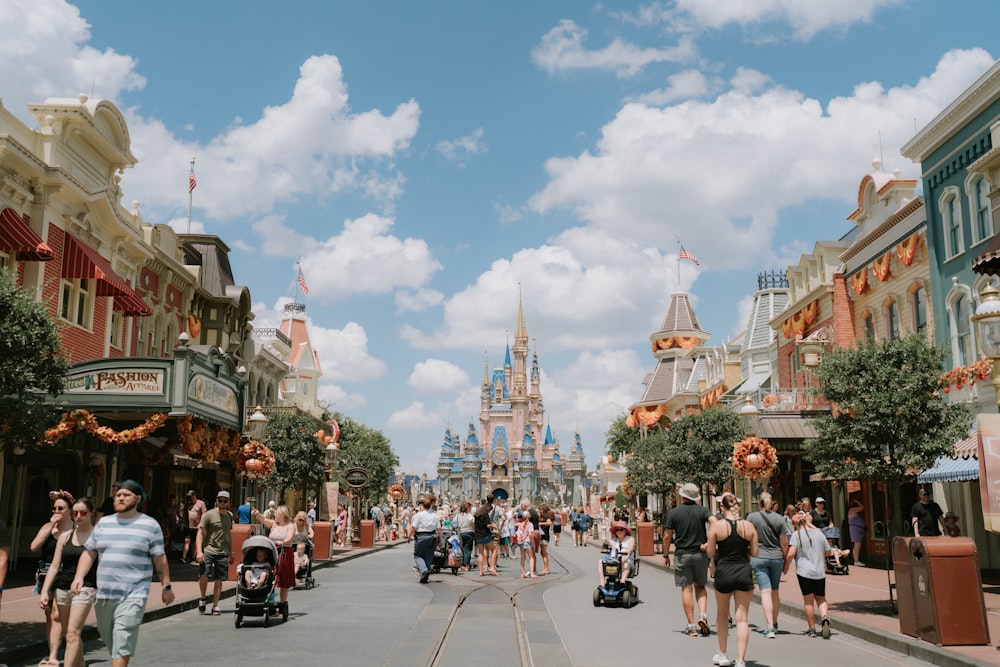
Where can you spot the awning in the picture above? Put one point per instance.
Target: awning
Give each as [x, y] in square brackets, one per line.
[18, 237]
[131, 304]
[753, 383]
[947, 469]
[988, 262]
[786, 427]
[82, 261]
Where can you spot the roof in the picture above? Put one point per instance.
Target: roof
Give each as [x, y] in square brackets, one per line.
[786, 427]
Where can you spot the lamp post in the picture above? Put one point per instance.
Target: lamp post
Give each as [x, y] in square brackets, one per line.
[987, 319]
[749, 417]
[256, 430]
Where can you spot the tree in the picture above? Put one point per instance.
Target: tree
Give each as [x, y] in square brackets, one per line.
[889, 422]
[364, 447]
[300, 461]
[648, 470]
[31, 365]
[621, 438]
[699, 447]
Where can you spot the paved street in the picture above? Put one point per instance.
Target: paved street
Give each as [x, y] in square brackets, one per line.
[371, 611]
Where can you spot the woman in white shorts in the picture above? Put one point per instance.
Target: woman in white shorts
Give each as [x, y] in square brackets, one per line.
[72, 610]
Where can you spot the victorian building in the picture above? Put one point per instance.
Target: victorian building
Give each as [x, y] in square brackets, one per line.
[512, 452]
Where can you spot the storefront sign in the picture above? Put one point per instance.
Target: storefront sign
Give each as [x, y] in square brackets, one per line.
[356, 477]
[117, 381]
[212, 392]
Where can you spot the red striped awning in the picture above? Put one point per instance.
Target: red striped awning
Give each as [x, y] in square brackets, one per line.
[18, 237]
[82, 261]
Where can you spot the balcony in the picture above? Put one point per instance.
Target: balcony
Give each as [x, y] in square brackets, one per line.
[272, 333]
[794, 399]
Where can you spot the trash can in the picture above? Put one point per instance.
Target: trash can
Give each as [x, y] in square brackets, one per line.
[904, 586]
[367, 536]
[645, 535]
[239, 535]
[948, 591]
[321, 540]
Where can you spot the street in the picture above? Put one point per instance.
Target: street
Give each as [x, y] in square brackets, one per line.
[372, 611]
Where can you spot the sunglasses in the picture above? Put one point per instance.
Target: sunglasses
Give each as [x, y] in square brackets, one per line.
[60, 509]
[80, 512]
[222, 500]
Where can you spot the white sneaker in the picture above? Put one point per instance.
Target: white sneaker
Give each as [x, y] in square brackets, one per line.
[740, 663]
[721, 660]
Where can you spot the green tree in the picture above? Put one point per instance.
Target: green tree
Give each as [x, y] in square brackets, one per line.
[621, 438]
[890, 422]
[699, 447]
[364, 447]
[648, 469]
[31, 365]
[299, 458]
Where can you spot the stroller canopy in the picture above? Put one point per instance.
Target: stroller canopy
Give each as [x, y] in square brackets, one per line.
[260, 542]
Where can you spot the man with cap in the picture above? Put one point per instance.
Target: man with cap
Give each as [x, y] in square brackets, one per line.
[213, 550]
[194, 508]
[127, 546]
[926, 516]
[686, 528]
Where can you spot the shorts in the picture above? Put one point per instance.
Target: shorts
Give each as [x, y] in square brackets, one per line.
[557, 528]
[189, 533]
[118, 622]
[215, 567]
[691, 569]
[87, 595]
[505, 541]
[486, 539]
[768, 572]
[815, 587]
[526, 545]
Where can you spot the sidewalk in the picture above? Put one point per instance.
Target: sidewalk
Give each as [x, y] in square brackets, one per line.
[859, 606]
[22, 624]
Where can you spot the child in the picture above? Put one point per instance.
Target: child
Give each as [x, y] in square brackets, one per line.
[301, 563]
[951, 528]
[524, 530]
[256, 575]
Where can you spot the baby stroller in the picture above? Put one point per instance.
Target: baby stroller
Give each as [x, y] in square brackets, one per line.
[834, 565]
[627, 594]
[448, 553]
[256, 598]
[303, 573]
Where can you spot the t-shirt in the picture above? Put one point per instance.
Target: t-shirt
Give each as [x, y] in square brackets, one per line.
[927, 518]
[770, 527]
[482, 521]
[125, 549]
[243, 513]
[687, 521]
[810, 552]
[426, 522]
[583, 520]
[821, 521]
[195, 512]
[311, 516]
[217, 527]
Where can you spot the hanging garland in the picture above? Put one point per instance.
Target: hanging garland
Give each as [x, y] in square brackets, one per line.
[205, 441]
[255, 461]
[82, 420]
[754, 458]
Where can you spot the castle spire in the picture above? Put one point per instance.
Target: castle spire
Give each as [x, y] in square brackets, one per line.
[522, 331]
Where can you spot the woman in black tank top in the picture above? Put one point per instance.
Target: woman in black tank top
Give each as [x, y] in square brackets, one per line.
[73, 609]
[732, 542]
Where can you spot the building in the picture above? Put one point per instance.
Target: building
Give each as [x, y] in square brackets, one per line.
[512, 452]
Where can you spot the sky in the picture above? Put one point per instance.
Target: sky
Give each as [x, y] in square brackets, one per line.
[431, 163]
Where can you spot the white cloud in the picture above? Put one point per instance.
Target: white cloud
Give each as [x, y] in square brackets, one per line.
[417, 300]
[415, 416]
[805, 18]
[460, 150]
[681, 86]
[437, 376]
[562, 49]
[719, 172]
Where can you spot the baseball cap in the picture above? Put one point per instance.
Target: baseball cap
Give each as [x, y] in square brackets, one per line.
[192, 492]
[820, 499]
[222, 494]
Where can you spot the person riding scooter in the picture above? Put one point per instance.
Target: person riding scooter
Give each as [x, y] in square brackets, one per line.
[621, 547]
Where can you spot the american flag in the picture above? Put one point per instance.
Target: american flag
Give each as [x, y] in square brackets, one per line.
[192, 181]
[684, 254]
[302, 281]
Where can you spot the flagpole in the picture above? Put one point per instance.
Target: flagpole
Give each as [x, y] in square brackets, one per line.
[298, 270]
[191, 183]
[677, 277]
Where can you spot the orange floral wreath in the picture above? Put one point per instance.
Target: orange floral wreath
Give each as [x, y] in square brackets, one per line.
[207, 442]
[84, 421]
[754, 458]
[255, 461]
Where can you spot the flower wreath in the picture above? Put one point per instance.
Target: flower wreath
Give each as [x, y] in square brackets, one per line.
[84, 421]
[255, 461]
[205, 441]
[754, 458]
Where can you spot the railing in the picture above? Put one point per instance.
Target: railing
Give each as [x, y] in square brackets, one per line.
[794, 399]
[271, 332]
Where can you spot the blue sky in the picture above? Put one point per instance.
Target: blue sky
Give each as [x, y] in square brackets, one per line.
[429, 160]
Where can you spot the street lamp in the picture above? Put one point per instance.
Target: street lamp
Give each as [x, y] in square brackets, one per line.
[987, 319]
[749, 417]
[257, 424]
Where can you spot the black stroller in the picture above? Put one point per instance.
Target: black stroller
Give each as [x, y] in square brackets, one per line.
[447, 554]
[304, 573]
[255, 582]
[835, 561]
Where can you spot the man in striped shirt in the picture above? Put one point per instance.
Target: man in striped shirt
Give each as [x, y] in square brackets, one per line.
[126, 545]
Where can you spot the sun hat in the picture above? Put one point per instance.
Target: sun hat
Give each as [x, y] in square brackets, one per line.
[620, 525]
[690, 491]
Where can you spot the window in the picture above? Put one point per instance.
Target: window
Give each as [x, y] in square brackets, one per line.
[892, 319]
[76, 302]
[115, 332]
[4, 261]
[920, 310]
[869, 328]
[951, 216]
[963, 330]
[977, 190]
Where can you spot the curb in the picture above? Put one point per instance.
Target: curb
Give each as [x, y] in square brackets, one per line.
[903, 644]
[27, 652]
